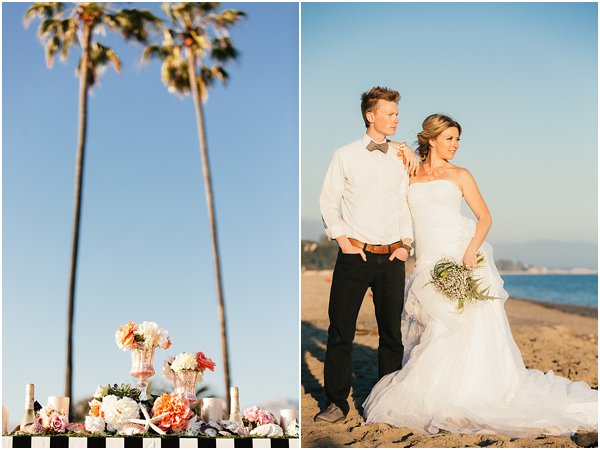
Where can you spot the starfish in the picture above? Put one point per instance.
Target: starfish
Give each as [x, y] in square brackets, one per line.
[148, 422]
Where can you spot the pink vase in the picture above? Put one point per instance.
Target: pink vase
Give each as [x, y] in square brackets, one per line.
[141, 366]
[185, 385]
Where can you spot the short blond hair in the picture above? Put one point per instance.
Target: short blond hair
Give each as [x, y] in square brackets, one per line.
[369, 99]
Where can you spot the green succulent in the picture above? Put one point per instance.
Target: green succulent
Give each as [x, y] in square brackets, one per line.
[123, 390]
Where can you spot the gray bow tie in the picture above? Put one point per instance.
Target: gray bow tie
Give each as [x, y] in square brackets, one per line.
[383, 148]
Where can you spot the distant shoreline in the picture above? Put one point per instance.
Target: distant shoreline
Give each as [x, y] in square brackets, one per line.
[584, 311]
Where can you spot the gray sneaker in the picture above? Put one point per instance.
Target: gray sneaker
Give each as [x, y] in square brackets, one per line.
[332, 414]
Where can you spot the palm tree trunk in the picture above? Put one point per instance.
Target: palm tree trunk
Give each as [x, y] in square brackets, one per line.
[211, 216]
[79, 164]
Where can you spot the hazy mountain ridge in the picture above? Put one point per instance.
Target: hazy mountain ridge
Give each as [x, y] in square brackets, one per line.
[545, 253]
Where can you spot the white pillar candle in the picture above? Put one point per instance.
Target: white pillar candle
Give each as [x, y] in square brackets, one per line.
[212, 409]
[4, 419]
[286, 416]
[60, 404]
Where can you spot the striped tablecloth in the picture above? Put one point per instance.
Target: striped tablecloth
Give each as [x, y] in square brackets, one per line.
[144, 442]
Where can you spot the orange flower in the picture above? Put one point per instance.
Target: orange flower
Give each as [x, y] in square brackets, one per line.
[124, 336]
[179, 411]
[95, 409]
[204, 362]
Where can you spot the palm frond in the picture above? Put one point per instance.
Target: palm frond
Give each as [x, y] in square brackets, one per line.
[133, 24]
[48, 26]
[52, 47]
[223, 50]
[201, 41]
[43, 11]
[229, 17]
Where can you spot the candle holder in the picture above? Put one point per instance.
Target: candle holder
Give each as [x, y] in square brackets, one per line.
[212, 409]
[141, 366]
[185, 385]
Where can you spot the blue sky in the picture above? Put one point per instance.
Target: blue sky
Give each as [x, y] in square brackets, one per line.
[145, 249]
[521, 78]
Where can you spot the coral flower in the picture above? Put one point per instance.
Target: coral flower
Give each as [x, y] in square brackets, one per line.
[124, 336]
[95, 409]
[179, 411]
[204, 362]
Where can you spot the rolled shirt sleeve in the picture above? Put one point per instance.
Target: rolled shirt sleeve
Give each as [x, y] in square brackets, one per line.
[331, 197]
[406, 228]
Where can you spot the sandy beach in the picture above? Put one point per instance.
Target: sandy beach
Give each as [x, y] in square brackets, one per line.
[562, 339]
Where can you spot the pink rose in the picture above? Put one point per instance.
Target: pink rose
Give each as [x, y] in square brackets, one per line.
[251, 414]
[265, 418]
[58, 423]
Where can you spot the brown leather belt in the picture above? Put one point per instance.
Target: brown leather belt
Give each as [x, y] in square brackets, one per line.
[379, 249]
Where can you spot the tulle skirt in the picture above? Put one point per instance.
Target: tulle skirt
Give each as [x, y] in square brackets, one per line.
[463, 372]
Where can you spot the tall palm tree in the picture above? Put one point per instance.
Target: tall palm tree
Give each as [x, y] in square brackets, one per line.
[64, 26]
[198, 33]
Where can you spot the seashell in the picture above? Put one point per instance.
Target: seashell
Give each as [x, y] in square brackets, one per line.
[211, 432]
[131, 429]
[225, 433]
[75, 427]
[32, 428]
[269, 430]
[215, 425]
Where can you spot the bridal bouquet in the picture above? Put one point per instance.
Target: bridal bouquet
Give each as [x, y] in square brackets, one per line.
[456, 281]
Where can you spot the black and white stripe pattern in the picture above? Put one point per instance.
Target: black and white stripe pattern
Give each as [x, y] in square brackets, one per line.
[144, 442]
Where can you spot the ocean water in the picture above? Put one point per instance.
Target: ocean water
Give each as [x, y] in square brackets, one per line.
[580, 290]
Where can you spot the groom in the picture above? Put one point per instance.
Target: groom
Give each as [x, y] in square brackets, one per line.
[364, 208]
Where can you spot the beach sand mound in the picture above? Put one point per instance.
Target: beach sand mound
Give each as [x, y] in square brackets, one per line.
[564, 340]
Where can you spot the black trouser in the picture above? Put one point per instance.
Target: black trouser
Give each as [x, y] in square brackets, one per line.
[351, 278]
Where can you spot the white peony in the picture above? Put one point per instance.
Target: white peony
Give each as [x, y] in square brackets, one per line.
[149, 330]
[94, 424]
[99, 391]
[184, 361]
[118, 411]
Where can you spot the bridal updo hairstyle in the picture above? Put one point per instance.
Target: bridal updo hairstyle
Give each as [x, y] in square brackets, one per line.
[368, 99]
[433, 126]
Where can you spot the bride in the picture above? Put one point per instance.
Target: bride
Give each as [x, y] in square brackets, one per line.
[462, 371]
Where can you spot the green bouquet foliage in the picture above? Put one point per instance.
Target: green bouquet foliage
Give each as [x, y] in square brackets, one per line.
[456, 281]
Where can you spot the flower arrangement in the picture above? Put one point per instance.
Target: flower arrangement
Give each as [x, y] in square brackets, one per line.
[111, 407]
[50, 420]
[254, 417]
[456, 281]
[147, 334]
[196, 362]
[178, 409]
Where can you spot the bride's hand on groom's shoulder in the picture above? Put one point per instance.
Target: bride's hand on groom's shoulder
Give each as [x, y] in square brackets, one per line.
[409, 158]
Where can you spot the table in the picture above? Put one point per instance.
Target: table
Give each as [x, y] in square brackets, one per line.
[145, 442]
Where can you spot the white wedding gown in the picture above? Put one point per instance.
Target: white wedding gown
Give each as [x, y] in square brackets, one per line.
[463, 372]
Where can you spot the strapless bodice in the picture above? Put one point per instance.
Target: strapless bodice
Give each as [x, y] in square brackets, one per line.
[440, 228]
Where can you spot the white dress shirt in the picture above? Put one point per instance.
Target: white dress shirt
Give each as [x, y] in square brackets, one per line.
[364, 195]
